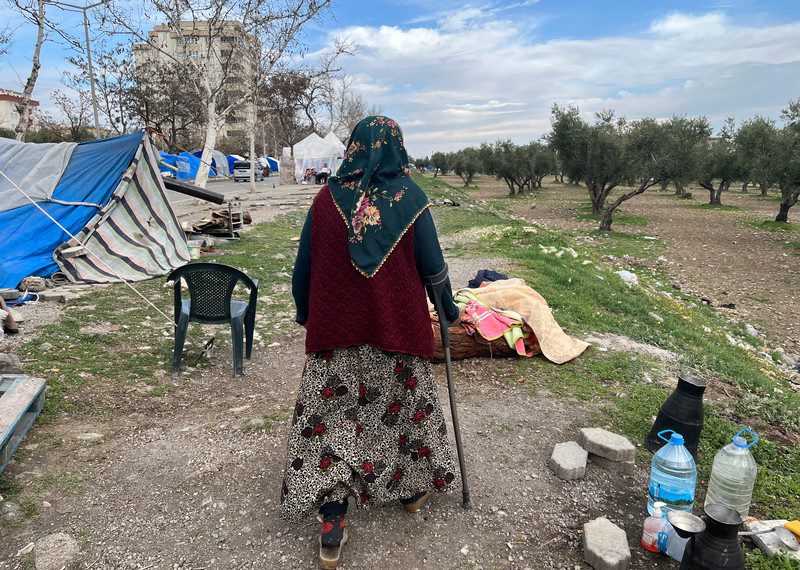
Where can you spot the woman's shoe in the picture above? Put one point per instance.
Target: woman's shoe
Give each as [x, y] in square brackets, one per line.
[330, 556]
[418, 503]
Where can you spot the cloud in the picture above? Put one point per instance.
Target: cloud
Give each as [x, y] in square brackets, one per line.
[467, 78]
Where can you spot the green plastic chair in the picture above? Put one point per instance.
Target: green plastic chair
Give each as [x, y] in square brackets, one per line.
[211, 301]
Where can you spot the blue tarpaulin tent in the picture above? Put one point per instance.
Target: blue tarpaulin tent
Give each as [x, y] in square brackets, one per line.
[109, 195]
[273, 164]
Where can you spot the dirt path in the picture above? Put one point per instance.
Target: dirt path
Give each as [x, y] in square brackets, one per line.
[190, 479]
[713, 252]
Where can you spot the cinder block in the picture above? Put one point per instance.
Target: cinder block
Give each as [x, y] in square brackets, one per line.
[607, 444]
[614, 466]
[605, 545]
[568, 460]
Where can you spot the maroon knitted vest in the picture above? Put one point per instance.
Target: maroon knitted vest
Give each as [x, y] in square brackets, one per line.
[388, 311]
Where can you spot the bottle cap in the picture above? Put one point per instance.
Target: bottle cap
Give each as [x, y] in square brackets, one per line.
[674, 439]
[740, 441]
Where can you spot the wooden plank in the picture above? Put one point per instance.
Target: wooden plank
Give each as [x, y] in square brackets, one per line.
[20, 404]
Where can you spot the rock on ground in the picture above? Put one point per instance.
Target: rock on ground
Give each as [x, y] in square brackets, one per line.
[568, 460]
[9, 364]
[56, 551]
[605, 545]
[607, 444]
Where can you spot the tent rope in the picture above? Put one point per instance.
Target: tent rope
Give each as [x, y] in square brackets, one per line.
[170, 320]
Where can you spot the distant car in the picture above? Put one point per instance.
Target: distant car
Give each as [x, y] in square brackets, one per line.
[241, 171]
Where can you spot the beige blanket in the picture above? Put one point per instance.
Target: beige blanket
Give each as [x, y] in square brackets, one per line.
[515, 295]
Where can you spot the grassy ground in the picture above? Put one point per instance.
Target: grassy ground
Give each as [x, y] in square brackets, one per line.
[129, 347]
[591, 298]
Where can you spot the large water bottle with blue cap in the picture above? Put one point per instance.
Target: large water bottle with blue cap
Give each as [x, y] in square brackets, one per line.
[734, 474]
[673, 475]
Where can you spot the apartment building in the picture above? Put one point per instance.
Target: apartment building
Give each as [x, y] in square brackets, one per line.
[9, 117]
[167, 45]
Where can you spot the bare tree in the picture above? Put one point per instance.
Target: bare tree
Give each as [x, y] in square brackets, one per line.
[224, 34]
[163, 103]
[75, 108]
[115, 85]
[34, 12]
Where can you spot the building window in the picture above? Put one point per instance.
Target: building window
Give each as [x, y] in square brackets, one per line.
[194, 53]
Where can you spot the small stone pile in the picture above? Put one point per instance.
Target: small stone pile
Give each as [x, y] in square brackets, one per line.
[605, 545]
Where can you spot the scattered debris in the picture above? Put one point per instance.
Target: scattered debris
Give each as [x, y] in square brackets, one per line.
[568, 461]
[769, 542]
[27, 549]
[445, 202]
[605, 545]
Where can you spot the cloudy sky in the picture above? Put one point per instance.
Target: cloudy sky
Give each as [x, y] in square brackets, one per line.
[455, 74]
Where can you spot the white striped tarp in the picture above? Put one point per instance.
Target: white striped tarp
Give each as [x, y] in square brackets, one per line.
[136, 235]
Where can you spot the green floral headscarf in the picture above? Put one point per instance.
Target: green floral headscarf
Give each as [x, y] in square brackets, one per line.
[374, 192]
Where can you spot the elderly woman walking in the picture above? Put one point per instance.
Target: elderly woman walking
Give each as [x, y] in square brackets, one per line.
[367, 424]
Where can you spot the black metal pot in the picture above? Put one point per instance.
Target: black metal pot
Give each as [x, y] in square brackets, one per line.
[682, 412]
[717, 547]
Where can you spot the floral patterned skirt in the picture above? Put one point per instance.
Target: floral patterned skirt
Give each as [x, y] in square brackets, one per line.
[367, 424]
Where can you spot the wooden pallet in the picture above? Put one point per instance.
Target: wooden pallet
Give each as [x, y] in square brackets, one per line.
[21, 401]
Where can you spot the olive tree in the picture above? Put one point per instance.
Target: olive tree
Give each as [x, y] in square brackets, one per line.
[787, 160]
[755, 145]
[466, 164]
[442, 162]
[686, 137]
[645, 160]
[718, 161]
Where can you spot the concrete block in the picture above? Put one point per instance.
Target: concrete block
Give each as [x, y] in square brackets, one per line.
[568, 460]
[625, 467]
[607, 444]
[605, 545]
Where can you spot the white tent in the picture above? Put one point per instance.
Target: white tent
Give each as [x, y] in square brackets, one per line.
[315, 151]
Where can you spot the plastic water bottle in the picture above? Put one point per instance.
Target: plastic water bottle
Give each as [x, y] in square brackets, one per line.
[673, 475]
[733, 475]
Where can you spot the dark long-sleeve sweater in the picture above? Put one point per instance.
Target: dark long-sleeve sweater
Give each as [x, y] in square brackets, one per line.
[427, 254]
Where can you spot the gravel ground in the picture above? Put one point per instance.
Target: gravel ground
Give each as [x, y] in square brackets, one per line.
[199, 488]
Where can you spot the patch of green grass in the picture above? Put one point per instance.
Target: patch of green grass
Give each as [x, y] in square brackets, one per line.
[768, 198]
[793, 246]
[773, 226]
[720, 207]
[65, 481]
[136, 342]
[586, 299]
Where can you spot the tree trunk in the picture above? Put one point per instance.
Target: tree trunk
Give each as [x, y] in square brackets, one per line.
[606, 221]
[22, 106]
[561, 178]
[665, 185]
[679, 190]
[596, 196]
[212, 130]
[252, 121]
[763, 189]
[744, 187]
[783, 212]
